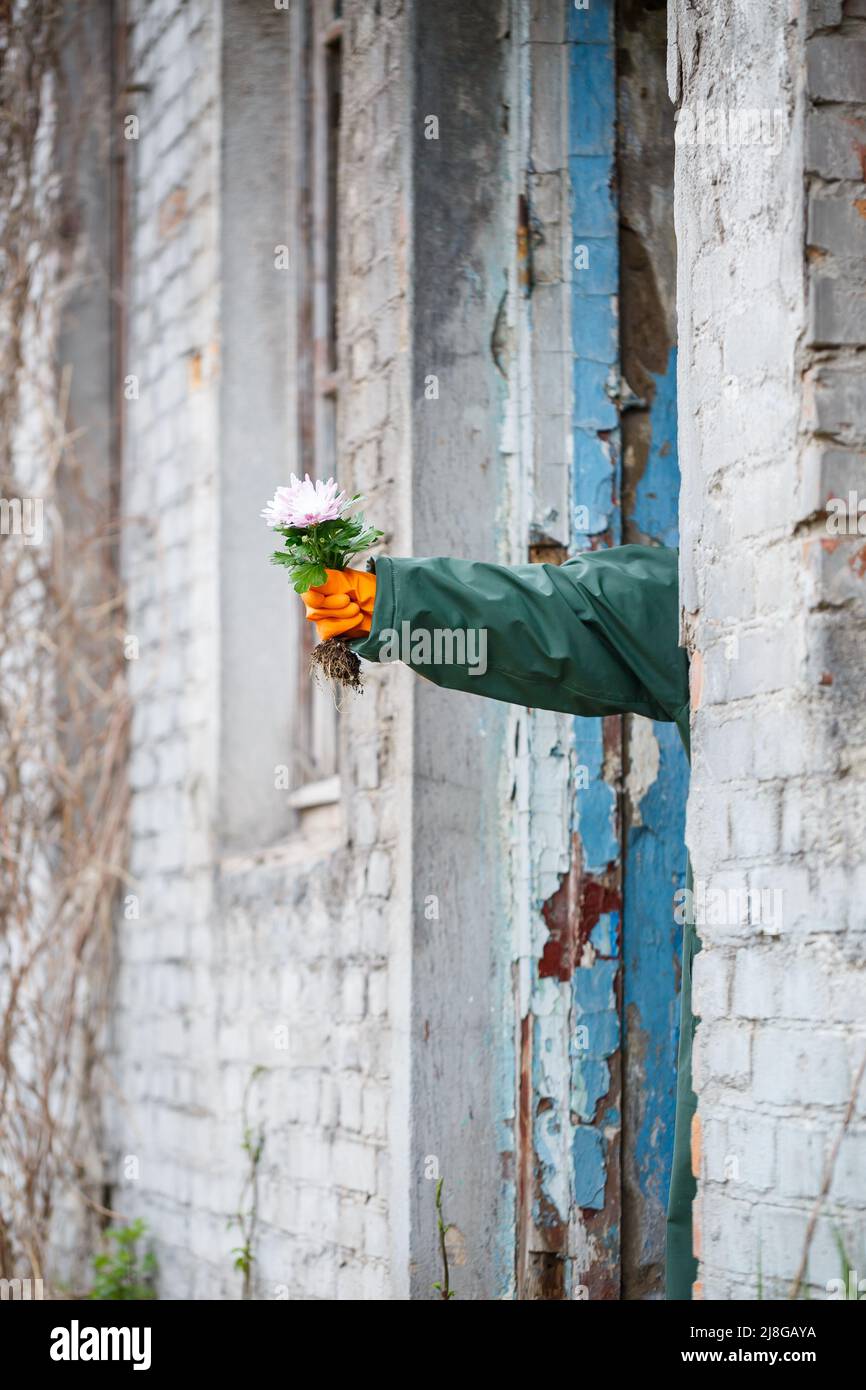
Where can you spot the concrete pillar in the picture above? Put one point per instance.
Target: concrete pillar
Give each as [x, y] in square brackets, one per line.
[771, 234]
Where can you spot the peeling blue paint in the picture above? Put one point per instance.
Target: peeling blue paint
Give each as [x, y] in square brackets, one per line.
[652, 945]
[605, 934]
[656, 504]
[578, 1130]
[596, 520]
[595, 326]
[655, 865]
[596, 1035]
[550, 1190]
[548, 1127]
[588, 1158]
[596, 803]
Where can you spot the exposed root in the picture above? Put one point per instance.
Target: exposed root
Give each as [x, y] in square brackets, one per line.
[336, 661]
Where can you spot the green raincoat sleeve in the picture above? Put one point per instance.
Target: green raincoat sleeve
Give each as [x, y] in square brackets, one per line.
[595, 636]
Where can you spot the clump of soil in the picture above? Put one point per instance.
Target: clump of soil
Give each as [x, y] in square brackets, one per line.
[336, 661]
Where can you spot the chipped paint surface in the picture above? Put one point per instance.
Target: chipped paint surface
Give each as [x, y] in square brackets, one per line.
[565, 834]
[595, 324]
[594, 891]
[655, 512]
[573, 928]
[643, 765]
[656, 787]
[655, 867]
[545, 1058]
[655, 766]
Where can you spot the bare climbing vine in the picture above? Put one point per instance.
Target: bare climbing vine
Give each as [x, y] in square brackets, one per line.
[826, 1183]
[443, 1285]
[64, 710]
[246, 1218]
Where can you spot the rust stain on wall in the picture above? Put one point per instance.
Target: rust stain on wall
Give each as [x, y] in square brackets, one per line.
[571, 914]
[172, 212]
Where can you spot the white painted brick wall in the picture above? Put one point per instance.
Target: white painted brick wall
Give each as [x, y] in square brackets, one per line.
[771, 289]
[231, 958]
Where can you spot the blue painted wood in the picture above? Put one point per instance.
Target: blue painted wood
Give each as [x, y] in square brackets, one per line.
[595, 1014]
[654, 869]
[648, 954]
[624, 959]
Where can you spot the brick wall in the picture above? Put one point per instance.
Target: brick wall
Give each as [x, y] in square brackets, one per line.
[771, 297]
[273, 958]
[296, 955]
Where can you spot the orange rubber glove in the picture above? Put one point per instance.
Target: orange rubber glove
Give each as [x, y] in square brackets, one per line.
[343, 605]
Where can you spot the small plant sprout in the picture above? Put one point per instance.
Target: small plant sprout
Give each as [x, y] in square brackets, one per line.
[443, 1286]
[246, 1218]
[120, 1274]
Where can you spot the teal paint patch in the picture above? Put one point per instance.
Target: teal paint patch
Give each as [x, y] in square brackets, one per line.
[605, 934]
[652, 951]
[595, 1037]
[654, 868]
[591, 23]
[595, 270]
[657, 494]
[595, 813]
[596, 263]
[588, 1161]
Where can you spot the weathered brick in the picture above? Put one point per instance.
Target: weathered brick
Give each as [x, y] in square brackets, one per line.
[836, 223]
[823, 14]
[834, 139]
[792, 1067]
[740, 1150]
[726, 1051]
[837, 313]
[354, 1165]
[836, 68]
[756, 983]
[350, 1087]
[730, 1232]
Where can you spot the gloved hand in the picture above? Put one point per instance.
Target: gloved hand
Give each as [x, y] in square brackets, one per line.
[343, 605]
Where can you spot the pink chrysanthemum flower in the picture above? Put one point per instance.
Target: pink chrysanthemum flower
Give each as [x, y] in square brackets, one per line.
[306, 503]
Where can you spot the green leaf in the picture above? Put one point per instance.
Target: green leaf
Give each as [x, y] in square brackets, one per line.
[331, 545]
[306, 576]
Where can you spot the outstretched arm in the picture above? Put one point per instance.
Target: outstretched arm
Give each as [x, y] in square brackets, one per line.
[597, 635]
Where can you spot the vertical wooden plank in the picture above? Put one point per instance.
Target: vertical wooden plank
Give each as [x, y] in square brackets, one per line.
[596, 982]
[545, 739]
[656, 769]
[597, 954]
[569, 1072]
